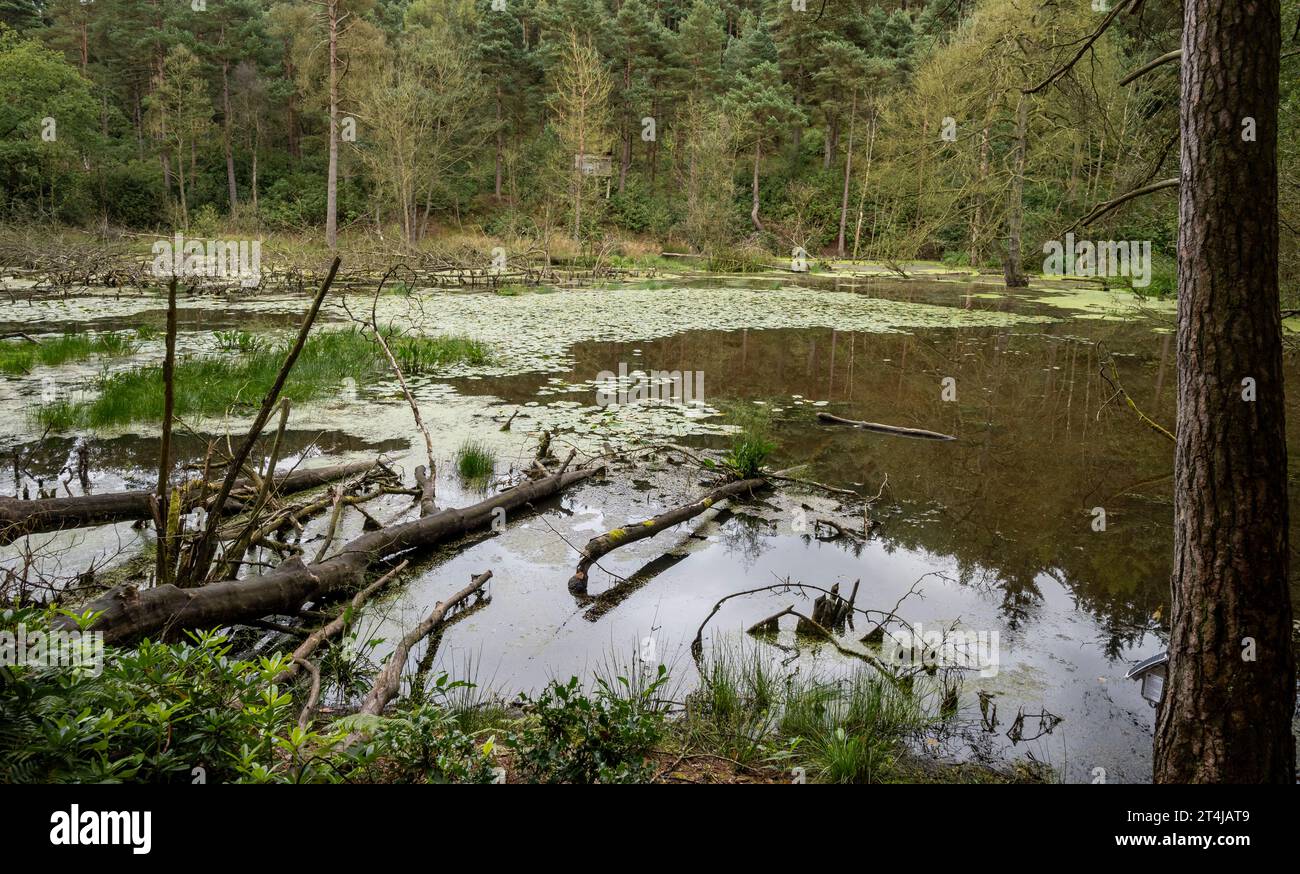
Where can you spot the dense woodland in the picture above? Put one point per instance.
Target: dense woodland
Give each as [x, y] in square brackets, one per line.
[886, 130]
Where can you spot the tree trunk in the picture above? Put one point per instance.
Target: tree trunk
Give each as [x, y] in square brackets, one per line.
[753, 211]
[625, 159]
[291, 107]
[257, 144]
[500, 147]
[127, 614]
[332, 175]
[19, 518]
[611, 540]
[1012, 268]
[862, 191]
[848, 174]
[1230, 693]
[977, 214]
[226, 138]
[389, 681]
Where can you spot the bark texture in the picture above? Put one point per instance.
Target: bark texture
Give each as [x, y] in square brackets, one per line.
[19, 518]
[1230, 695]
[611, 540]
[128, 614]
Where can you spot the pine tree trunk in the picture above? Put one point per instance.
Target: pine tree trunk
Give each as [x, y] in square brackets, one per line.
[332, 176]
[1013, 269]
[753, 211]
[226, 137]
[625, 160]
[500, 146]
[1230, 694]
[848, 174]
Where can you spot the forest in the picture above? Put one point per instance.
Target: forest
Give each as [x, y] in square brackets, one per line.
[870, 130]
[648, 391]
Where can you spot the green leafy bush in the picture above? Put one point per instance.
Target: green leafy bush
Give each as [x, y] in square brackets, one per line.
[569, 737]
[159, 713]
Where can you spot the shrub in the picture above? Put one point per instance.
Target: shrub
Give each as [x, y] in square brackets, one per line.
[134, 194]
[571, 738]
[154, 715]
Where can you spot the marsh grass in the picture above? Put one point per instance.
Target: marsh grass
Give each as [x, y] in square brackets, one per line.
[475, 461]
[752, 445]
[212, 385]
[417, 354]
[243, 342]
[20, 356]
[850, 729]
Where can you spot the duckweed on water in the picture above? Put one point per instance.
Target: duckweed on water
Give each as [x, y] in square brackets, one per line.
[212, 385]
[20, 356]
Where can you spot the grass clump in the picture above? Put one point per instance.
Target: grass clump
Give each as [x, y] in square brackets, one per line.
[752, 445]
[511, 290]
[243, 342]
[416, 354]
[211, 386]
[855, 729]
[20, 356]
[475, 461]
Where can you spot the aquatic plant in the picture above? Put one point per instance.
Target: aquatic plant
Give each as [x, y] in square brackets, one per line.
[475, 460]
[417, 354]
[751, 445]
[212, 385]
[851, 729]
[243, 342]
[20, 356]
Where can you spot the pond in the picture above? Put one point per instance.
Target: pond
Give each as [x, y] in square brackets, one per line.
[1047, 523]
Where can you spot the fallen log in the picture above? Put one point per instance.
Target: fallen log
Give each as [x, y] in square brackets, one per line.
[611, 540]
[336, 625]
[918, 433]
[424, 481]
[19, 518]
[619, 592]
[388, 683]
[127, 613]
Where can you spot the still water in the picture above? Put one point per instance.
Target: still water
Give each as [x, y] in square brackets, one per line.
[1002, 527]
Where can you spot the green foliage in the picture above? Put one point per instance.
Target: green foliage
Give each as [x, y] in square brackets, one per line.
[154, 715]
[475, 461]
[134, 193]
[212, 385]
[243, 342]
[569, 737]
[425, 741]
[416, 354]
[752, 445]
[19, 356]
[48, 122]
[854, 729]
